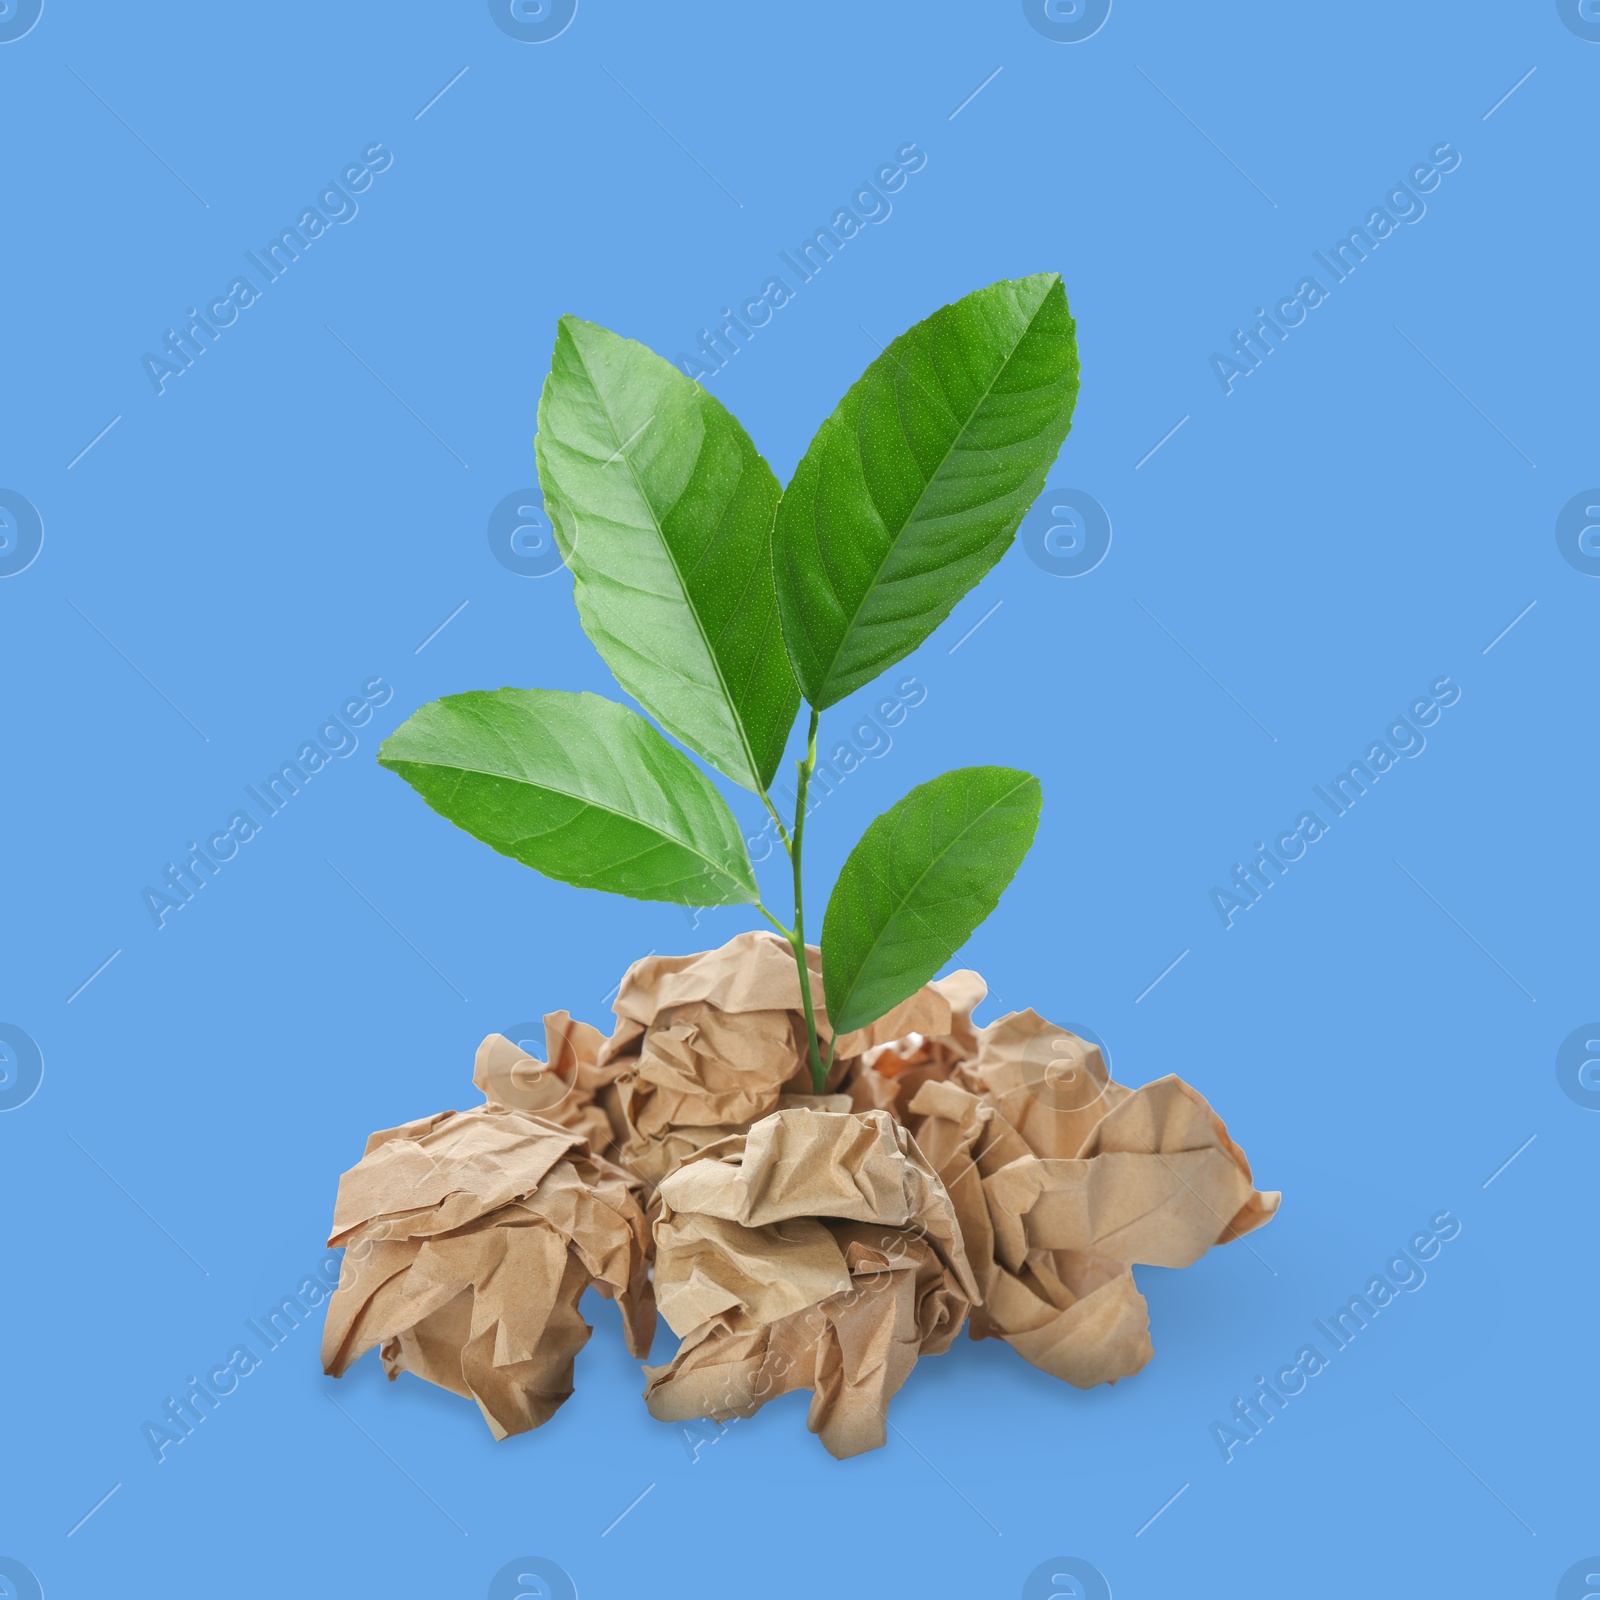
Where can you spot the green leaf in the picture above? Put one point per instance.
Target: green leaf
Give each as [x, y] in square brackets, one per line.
[915, 485]
[663, 510]
[923, 876]
[578, 788]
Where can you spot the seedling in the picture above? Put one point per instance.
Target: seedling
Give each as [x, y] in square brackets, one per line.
[719, 599]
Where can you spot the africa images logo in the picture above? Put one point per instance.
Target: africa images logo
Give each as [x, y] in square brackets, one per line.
[21, 533]
[17, 18]
[335, 202]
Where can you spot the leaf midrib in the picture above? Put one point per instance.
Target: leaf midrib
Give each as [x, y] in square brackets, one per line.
[677, 572]
[911, 516]
[905, 899]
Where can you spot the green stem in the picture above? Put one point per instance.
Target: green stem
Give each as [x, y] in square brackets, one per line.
[783, 833]
[819, 1073]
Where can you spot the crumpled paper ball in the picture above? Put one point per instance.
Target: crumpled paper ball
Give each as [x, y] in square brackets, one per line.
[567, 1088]
[707, 1044]
[469, 1238]
[818, 1251]
[1064, 1179]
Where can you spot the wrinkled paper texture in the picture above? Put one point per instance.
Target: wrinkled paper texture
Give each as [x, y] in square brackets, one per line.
[708, 1044]
[1064, 1179]
[566, 1088]
[819, 1251]
[469, 1238]
[996, 1177]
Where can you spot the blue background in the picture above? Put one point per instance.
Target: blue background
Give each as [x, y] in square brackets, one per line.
[301, 509]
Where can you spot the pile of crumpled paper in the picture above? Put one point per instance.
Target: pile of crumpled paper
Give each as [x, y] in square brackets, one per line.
[995, 1177]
